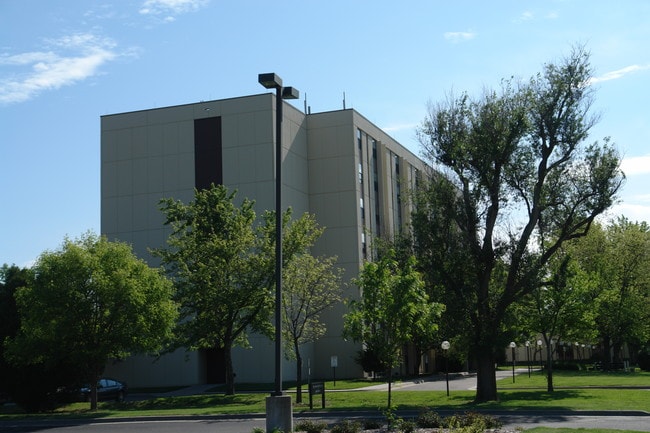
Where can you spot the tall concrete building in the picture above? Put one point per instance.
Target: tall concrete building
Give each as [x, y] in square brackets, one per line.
[336, 165]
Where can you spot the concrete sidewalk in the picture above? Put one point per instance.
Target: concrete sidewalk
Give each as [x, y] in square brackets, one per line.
[437, 382]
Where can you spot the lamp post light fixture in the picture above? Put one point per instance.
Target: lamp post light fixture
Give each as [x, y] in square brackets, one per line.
[445, 347]
[541, 359]
[277, 416]
[528, 356]
[512, 346]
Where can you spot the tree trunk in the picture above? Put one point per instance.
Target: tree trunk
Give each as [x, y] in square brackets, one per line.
[390, 383]
[298, 377]
[418, 360]
[486, 382]
[230, 373]
[607, 352]
[549, 368]
[618, 352]
[93, 387]
[93, 395]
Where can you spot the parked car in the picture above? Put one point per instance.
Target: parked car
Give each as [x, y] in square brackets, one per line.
[107, 389]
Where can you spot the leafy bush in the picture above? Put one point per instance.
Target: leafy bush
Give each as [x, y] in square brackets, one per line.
[405, 426]
[371, 424]
[346, 426]
[482, 421]
[310, 426]
[398, 424]
[472, 422]
[429, 419]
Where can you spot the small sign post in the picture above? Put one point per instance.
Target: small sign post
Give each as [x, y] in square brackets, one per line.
[316, 388]
[334, 362]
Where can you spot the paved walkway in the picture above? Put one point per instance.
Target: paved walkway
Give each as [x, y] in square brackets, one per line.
[457, 382]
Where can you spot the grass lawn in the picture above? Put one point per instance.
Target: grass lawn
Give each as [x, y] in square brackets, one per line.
[525, 394]
[568, 430]
[564, 378]
[291, 386]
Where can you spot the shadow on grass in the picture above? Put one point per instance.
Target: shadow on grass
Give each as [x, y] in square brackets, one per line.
[464, 401]
[536, 396]
[193, 402]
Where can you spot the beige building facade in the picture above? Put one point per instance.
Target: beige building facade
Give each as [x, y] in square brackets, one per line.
[336, 165]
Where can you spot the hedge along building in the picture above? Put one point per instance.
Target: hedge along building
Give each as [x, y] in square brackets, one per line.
[336, 165]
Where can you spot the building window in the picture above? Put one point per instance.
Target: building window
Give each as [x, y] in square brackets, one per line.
[207, 152]
[397, 193]
[374, 194]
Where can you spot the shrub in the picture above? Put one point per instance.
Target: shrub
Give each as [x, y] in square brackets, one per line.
[371, 424]
[310, 426]
[472, 422]
[405, 426]
[346, 426]
[429, 419]
[482, 421]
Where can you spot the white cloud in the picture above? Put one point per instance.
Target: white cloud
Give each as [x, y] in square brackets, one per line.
[400, 127]
[632, 211]
[173, 7]
[636, 165]
[526, 16]
[459, 36]
[529, 16]
[69, 60]
[619, 73]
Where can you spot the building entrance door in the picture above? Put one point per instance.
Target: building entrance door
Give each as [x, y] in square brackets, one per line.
[215, 366]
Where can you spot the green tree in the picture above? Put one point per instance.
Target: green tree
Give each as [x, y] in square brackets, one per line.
[13, 378]
[311, 286]
[617, 259]
[91, 301]
[521, 182]
[222, 260]
[223, 282]
[423, 339]
[559, 308]
[393, 307]
[11, 278]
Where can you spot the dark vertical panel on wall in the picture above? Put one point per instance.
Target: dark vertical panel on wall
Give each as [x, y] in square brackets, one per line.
[207, 152]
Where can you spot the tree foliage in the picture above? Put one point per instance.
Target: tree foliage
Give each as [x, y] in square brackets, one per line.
[393, 307]
[221, 258]
[222, 281]
[14, 379]
[311, 286]
[520, 181]
[616, 258]
[559, 308]
[91, 301]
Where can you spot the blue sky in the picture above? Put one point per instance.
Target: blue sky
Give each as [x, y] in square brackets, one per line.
[65, 63]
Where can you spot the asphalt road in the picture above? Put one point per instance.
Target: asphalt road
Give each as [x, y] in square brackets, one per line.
[247, 424]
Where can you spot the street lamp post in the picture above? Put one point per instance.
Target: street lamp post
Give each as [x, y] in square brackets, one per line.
[277, 408]
[445, 347]
[541, 360]
[512, 346]
[528, 356]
